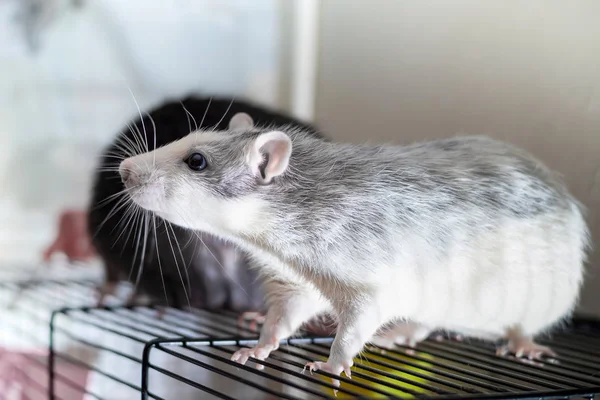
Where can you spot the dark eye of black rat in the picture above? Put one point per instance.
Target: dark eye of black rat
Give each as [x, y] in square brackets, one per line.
[196, 161]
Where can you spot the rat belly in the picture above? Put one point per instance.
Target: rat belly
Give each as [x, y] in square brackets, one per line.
[525, 275]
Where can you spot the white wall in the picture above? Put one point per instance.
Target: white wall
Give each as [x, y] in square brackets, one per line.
[524, 71]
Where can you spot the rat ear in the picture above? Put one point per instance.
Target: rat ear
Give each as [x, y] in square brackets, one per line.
[240, 121]
[269, 155]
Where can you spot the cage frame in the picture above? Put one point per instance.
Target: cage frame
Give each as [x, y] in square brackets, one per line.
[197, 344]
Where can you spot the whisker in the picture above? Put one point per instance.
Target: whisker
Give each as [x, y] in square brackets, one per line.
[153, 129]
[190, 240]
[127, 143]
[143, 253]
[124, 147]
[144, 125]
[113, 163]
[109, 198]
[139, 220]
[125, 213]
[189, 115]
[215, 258]
[137, 137]
[127, 216]
[154, 153]
[117, 156]
[139, 110]
[194, 252]
[225, 114]
[132, 228]
[177, 265]
[185, 264]
[205, 113]
[118, 206]
[112, 177]
[158, 260]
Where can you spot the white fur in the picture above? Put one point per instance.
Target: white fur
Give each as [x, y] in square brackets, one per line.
[503, 268]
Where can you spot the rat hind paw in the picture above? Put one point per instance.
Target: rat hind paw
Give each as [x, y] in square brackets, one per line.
[332, 369]
[527, 348]
[405, 334]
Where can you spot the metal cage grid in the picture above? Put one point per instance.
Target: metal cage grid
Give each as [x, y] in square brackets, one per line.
[436, 369]
[185, 354]
[444, 369]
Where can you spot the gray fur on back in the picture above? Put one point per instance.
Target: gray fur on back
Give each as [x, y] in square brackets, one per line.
[334, 194]
[465, 233]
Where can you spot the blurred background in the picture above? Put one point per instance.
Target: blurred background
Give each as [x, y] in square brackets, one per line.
[377, 70]
[71, 73]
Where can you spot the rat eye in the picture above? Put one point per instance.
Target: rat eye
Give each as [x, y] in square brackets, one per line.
[196, 161]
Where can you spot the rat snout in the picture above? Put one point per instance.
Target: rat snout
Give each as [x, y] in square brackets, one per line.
[125, 169]
[143, 186]
[129, 174]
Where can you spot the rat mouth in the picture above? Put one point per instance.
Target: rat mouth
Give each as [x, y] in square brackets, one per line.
[148, 198]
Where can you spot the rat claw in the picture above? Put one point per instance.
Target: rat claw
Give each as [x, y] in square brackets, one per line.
[241, 356]
[348, 372]
[259, 352]
[320, 365]
[325, 366]
[519, 353]
[243, 359]
[313, 366]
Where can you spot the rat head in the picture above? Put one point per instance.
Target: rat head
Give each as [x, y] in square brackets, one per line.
[211, 181]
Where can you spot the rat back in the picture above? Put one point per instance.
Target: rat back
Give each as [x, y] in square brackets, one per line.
[466, 234]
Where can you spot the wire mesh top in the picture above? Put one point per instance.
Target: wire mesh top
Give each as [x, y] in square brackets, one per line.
[193, 348]
[185, 355]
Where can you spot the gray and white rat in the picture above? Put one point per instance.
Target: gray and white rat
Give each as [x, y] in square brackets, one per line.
[170, 264]
[465, 234]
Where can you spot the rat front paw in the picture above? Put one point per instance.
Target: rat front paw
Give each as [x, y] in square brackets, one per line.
[260, 352]
[334, 369]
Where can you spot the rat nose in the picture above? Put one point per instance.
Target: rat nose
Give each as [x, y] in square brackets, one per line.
[125, 169]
